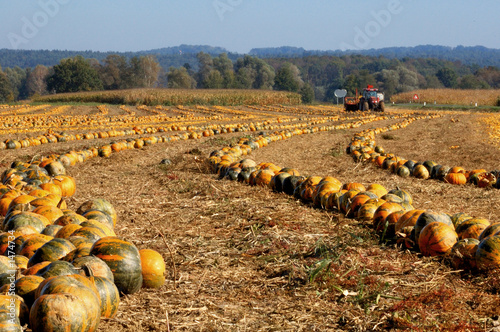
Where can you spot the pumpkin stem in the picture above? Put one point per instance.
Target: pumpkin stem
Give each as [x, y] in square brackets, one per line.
[60, 202]
[88, 270]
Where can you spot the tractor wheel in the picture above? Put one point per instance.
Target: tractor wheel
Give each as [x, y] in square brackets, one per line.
[366, 107]
[381, 106]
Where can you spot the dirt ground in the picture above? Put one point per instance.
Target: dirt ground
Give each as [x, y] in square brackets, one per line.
[243, 258]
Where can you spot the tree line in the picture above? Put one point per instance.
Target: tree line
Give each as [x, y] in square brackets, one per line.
[315, 77]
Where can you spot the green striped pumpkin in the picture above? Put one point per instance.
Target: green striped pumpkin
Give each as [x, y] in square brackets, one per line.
[488, 253]
[51, 251]
[47, 311]
[109, 295]
[123, 259]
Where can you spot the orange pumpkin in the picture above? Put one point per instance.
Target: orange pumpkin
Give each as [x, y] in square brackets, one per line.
[437, 239]
[153, 268]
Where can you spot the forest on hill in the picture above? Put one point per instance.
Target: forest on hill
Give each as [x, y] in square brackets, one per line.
[315, 75]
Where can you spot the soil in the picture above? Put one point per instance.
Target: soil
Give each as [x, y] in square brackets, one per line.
[243, 258]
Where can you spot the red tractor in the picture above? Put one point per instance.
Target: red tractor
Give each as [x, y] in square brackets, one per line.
[370, 100]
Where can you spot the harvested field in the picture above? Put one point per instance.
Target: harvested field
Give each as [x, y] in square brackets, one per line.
[243, 258]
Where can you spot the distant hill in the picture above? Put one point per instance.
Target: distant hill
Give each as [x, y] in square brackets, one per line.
[186, 49]
[473, 55]
[169, 56]
[179, 55]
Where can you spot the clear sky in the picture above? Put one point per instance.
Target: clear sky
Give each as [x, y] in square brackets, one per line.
[240, 25]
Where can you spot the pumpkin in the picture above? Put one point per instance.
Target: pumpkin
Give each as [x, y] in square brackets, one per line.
[108, 294]
[99, 204]
[455, 178]
[277, 181]
[49, 212]
[57, 268]
[15, 309]
[345, 200]
[55, 168]
[51, 188]
[428, 217]
[32, 244]
[353, 185]
[91, 232]
[488, 253]
[66, 183]
[489, 231]
[51, 251]
[291, 171]
[462, 255]
[153, 268]
[459, 218]
[403, 171]
[429, 164]
[5, 240]
[472, 228]
[35, 268]
[61, 312]
[105, 228]
[457, 169]
[388, 226]
[436, 239]
[324, 188]
[442, 172]
[403, 194]
[358, 201]
[67, 230]
[420, 172]
[26, 287]
[71, 218]
[383, 211]
[25, 219]
[367, 210]
[290, 183]
[93, 266]
[244, 175]
[51, 230]
[81, 242]
[377, 189]
[392, 198]
[123, 259]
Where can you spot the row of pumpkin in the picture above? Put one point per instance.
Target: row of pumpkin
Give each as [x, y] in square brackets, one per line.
[468, 242]
[193, 130]
[63, 269]
[363, 147]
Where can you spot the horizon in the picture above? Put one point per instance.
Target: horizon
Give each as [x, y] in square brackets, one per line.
[269, 47]
[239, 26]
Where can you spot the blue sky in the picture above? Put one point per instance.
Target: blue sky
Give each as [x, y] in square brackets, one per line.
[240, 25]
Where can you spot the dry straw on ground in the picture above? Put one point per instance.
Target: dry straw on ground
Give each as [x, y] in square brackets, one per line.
[247, 259]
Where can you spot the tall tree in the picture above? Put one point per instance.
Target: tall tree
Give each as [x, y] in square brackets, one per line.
[6, 94]
[307, 93]
[73, 75]
[36, 82]
[226, 68]
[288, 78]
[115, 72]
[448, 77]
[206, 71]
[179, 78]
[145, 71]
[254, 73]
[17, 78]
